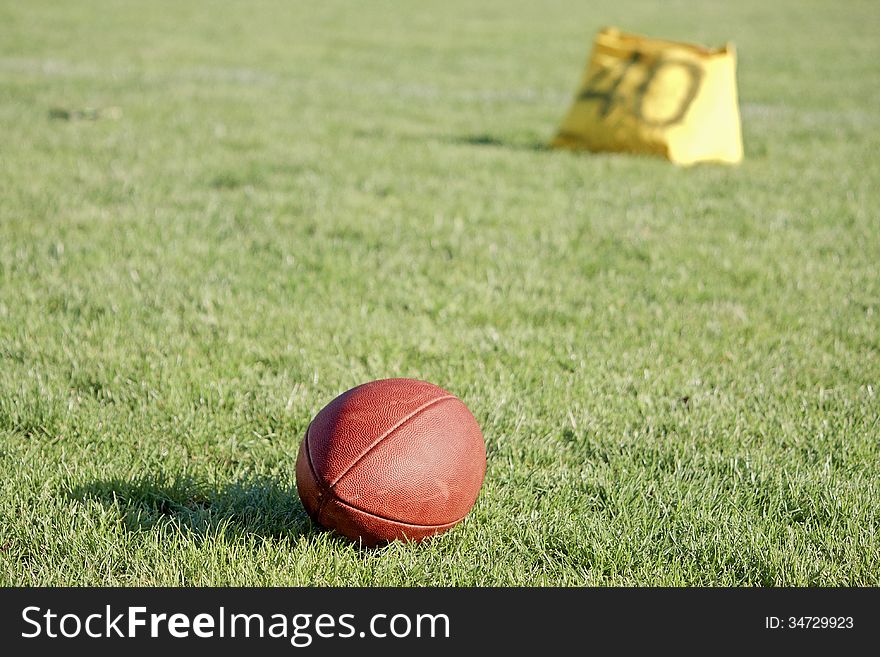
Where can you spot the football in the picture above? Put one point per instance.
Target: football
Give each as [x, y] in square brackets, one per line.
[394, 459]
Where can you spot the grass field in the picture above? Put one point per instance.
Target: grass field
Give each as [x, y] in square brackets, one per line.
[677, 370]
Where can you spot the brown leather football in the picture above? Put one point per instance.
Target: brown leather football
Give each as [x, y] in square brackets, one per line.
[391, 459]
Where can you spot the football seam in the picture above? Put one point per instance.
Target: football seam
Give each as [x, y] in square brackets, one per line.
[327, 492]
[399, 522]
[385, 435]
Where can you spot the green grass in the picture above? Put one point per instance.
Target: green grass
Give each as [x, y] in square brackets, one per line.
[677, 371]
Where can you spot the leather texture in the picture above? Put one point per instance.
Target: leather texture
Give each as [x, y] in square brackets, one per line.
[391, 459]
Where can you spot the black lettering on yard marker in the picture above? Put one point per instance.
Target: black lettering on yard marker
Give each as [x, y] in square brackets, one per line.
[608, 96]
[695, 75]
